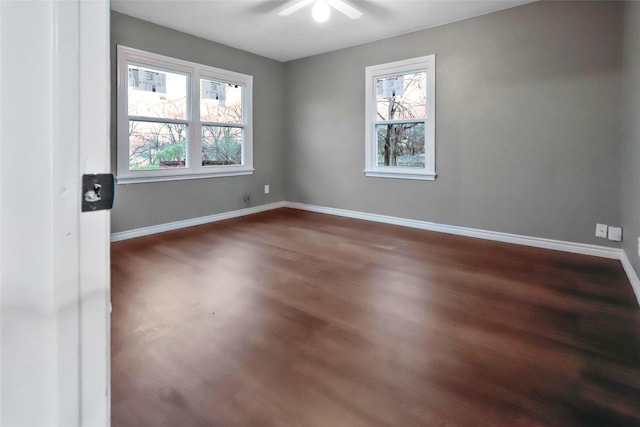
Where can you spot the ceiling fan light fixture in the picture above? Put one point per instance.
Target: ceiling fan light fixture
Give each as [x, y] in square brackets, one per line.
[321, 11]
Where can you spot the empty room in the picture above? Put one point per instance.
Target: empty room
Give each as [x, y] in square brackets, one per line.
[319, 213]
[413, 213]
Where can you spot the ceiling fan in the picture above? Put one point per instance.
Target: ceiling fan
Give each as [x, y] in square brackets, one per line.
[321, 9]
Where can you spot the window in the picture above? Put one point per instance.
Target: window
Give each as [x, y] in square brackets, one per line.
[181, 120]
[400, 110]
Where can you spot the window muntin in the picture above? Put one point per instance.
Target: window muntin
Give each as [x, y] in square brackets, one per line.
[400, 108]
[222, 122]
[181, 120]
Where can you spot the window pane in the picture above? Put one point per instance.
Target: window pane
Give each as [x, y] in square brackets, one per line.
[157, 145]
[401, 145]
[220, 102]
[401, 97]
[157, 93]
[221, 145]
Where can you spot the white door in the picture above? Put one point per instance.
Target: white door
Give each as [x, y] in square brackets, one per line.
[54, 260]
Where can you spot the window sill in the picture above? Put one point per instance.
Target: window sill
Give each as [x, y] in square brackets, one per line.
[218, 174]
[401, 175]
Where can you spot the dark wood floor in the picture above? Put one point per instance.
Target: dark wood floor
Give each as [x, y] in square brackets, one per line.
[291, 318]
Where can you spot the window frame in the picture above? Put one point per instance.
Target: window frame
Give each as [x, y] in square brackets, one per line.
[193, 156]
[372, 74]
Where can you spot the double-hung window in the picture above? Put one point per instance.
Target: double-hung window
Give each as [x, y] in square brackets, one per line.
[181, 120]
[400, 119]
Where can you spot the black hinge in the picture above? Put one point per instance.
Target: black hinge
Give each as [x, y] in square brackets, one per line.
[97, 192]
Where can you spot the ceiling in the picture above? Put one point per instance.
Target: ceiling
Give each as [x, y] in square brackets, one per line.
[255, 26]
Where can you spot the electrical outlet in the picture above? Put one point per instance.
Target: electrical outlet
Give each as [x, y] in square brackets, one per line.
[615, 234]
[601, 230]
[639, 246]
[266, 189]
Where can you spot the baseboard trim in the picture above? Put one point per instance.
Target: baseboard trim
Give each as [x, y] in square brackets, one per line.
[145, 231]
[631, 274]
[538, 242]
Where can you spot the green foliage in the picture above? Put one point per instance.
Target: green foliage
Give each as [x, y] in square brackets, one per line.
[222, 145]
[152, 144]
[173, 151]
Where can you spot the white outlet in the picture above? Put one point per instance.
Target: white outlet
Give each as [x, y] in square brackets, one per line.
[638, 246]
[601, 230]
[266, 189]
[615, 234]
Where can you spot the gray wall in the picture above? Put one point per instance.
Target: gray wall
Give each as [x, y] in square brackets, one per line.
[528, 129]
[528, 124]
[630, 194]
[141, 205]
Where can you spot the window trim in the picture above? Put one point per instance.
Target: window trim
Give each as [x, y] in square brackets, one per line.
[374, 72]
[195, 72]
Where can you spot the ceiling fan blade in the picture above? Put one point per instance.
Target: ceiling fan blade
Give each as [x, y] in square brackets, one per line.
[294, 6]
[345, 8]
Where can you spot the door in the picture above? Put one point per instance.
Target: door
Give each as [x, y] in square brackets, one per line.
[54, 260]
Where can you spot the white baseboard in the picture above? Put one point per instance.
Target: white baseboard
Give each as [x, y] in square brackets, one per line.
[538, 242]
[631, 274]
[145, 231]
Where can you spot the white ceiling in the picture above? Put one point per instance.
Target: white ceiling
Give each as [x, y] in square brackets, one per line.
[254, 25]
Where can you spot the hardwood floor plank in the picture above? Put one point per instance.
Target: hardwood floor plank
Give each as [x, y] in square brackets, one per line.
[292, 318]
